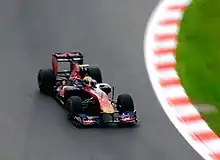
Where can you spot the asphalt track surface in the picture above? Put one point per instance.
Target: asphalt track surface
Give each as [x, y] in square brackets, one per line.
[110, 33]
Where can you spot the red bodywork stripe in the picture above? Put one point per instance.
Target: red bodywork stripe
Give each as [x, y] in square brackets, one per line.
[67, 54]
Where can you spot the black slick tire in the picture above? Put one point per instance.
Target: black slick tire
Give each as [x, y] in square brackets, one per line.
[95, 73]
[46, 81]
[74, 106]
[125, 103]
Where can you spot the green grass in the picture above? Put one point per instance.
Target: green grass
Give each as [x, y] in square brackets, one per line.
[198, 56]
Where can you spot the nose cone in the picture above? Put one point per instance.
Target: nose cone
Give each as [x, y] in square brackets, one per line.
[108, 109]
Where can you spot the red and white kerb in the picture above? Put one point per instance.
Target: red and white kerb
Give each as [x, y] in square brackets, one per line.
[163, 59]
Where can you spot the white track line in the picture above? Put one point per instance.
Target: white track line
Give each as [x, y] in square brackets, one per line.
[159, 48]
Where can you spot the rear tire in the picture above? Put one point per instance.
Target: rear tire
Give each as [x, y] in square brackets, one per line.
[95, 73]
[46, 81]
[125, 103]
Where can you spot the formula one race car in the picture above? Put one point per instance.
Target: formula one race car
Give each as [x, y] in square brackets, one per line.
[81, 91]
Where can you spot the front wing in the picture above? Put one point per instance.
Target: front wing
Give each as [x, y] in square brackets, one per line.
[103, 119]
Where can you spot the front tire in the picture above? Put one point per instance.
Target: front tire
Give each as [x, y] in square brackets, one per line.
[125, 103]
[74, 106]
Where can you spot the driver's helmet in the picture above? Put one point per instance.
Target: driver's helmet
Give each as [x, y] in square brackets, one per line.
[87, 80]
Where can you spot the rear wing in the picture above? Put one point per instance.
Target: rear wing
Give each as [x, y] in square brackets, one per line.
[69, 57]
